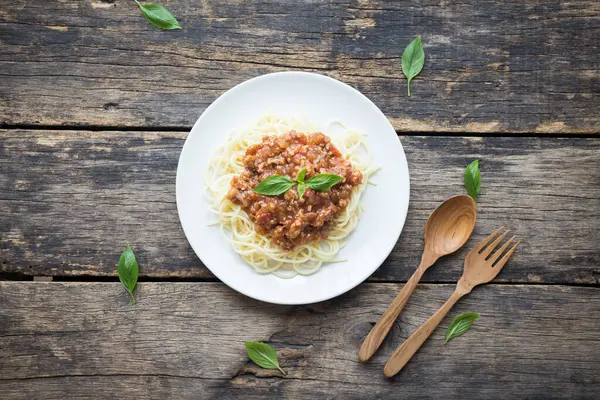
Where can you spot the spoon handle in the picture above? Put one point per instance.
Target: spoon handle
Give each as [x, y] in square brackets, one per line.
[385, 322]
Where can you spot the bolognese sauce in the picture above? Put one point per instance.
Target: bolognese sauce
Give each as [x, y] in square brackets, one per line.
[291, 221]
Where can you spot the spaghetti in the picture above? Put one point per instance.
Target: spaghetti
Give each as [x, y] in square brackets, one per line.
[258, 250]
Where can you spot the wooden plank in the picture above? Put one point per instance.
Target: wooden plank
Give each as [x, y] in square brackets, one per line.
[70, 201]
[185, 340]
[490, 66]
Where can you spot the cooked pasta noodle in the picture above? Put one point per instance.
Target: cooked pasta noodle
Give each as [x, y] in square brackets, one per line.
[255, 249]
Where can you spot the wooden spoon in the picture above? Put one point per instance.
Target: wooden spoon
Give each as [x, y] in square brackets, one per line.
[447, 229]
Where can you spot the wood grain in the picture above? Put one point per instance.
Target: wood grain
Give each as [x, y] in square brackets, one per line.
[519, 66]
[185, 340]
[70, 201]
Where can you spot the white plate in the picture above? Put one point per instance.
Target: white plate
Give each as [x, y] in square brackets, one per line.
[320, 99]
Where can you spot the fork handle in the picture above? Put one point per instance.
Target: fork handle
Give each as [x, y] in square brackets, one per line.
[387, 319]
[405, 352]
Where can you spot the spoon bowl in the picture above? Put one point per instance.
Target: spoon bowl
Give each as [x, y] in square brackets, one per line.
[450, 225]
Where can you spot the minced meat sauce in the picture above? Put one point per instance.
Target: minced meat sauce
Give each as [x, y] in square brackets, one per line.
[288, 220]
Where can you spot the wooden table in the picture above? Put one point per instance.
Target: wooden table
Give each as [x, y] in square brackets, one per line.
[95, 105]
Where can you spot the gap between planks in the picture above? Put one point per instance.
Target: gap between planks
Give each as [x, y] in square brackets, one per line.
[115, 279]
[109, 128]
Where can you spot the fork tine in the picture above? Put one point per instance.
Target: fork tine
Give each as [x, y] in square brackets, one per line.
[488, 250]
[504, 259]
[485, 241]
[501, 250]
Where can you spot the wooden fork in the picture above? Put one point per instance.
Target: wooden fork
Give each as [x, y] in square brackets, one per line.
[481, 266]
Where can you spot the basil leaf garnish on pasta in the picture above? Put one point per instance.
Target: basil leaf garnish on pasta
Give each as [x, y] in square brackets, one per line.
[277, 184]
[301, 189]
[301, 175]
[274, 185]
[323, 182]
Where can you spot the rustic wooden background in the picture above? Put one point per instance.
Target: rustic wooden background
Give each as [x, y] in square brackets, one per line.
[95, 105]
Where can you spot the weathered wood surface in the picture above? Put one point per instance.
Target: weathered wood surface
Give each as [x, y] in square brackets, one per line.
[490, 66]
[70, 201]
[185, 340]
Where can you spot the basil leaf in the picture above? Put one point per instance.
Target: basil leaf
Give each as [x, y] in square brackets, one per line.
[128, 270]
[473, 179]
[301, 175]
[159, 16]
[263, 355]
[301, 189]
[413, 59]
[323, 182]
[274, 185]
[460, 325]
